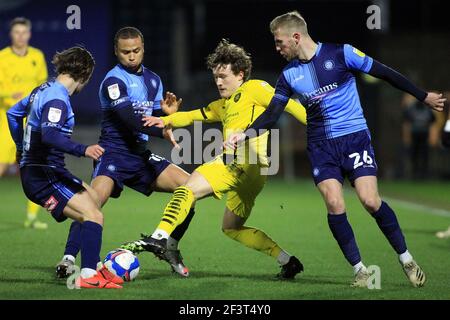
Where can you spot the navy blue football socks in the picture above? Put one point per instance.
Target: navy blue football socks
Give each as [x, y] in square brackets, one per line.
[387, 222]
[73, 244]
[343, 233]
[91, 243]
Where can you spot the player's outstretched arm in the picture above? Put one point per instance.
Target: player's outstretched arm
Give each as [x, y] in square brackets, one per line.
[399, 81]
[177, 120]
[53, 119]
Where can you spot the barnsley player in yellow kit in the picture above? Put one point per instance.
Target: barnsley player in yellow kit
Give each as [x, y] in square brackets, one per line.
[22, 68]
[242, 100]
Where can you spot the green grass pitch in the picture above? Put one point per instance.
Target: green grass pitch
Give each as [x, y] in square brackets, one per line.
[292, 214]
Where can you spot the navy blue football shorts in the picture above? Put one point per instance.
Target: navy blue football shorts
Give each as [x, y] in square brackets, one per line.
[136, 172]
[350, 156]
[50, 187]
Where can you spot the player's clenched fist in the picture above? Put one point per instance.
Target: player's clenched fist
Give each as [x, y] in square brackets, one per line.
[94, 152]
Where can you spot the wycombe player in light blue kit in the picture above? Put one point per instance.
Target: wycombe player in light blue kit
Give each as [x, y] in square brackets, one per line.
[129, 91]
[339, 143]
[41, 146]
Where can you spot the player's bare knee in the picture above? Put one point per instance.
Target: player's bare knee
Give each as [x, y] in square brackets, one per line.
[335, 204]
[371, 204]
[93, 215]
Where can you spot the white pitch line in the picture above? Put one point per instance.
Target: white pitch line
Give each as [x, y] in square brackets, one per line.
[419, 207]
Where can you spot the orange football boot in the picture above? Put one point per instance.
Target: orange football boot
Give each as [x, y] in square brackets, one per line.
[108, 275]
[96, 282]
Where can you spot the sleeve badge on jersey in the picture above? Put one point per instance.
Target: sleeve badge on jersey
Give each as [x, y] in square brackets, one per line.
[114, 91]
[359, 53]
[54, 115]
[237, 97]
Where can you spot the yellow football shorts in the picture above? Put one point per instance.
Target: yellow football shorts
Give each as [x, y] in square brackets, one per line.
[241, 182]
[7, 145]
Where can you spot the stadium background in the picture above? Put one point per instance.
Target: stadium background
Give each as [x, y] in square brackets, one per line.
[179, 34]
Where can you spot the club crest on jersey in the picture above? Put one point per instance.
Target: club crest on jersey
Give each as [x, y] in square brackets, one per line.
[316, 172]
[51, 204]
[114, 91]
[328, 65]
[54, 115]
[237, 97]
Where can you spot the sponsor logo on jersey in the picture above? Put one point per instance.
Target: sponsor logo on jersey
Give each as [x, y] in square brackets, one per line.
[319, 93]
[114, 91]
[51, 204]
[54, 115]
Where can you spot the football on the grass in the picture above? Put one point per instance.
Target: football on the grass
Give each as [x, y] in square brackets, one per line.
[122, 263]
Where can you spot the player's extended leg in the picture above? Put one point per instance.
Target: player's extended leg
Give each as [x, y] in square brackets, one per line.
[183, 199]
[331, 190]
[84, 209]
[233, 227]
[175, 213]
[168, 181]
[171, 178]
[31, 220]
[102, 187]
[367, 190]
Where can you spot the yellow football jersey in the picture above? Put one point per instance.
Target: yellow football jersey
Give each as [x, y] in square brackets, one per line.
[20, 74]
[238, 112]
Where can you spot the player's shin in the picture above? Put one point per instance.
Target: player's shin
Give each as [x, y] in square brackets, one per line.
[255, 239]
[175, 212]
[178, 233]
[388, 224]
[73, 243]
[343, 233]
[91, 242]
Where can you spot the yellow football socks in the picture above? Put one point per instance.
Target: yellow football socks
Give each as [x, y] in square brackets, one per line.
[255, 239]
[177, 209]
[32, 210]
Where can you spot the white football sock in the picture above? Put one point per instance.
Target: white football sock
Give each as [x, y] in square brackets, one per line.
[172, 244]
[405, 257]
[88, 272]
[160, 234]
[69, 257]
[358, 267]
[283, 257]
